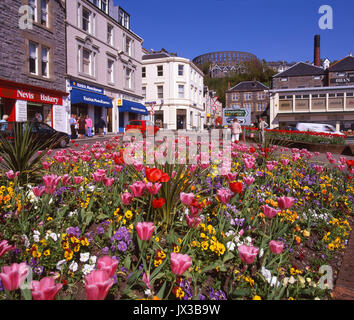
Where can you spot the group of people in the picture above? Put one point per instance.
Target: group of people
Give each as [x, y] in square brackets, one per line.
[237, 130]
[82, 126]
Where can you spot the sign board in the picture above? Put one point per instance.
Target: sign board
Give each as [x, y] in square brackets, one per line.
[60, 118]
[119, 102]
[242, 114]
[21, 110]
[343, 80]
[84, 86]
[30, 95]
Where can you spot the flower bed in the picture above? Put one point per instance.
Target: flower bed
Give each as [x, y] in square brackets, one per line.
[260, 230]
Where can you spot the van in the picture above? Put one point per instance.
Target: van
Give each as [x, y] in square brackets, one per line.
[318, 127]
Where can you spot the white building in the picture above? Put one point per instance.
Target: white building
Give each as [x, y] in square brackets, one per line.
[175, 86]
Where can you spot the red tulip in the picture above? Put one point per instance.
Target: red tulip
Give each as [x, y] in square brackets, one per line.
[145, 230]
[97, 285]
[158, 203]
[165, 178]
[236, 187]
[45, 289]
[153, 175]
[180, 263]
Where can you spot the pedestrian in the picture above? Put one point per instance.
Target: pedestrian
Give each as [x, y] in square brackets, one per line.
[236, 130]
[37, 117]
[82, 125]
[72, 123]
[88, 126]
[3, 123]
[101, 124]
[261, 133]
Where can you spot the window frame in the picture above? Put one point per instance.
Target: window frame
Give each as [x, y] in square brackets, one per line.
[159, 71]
[160, 94]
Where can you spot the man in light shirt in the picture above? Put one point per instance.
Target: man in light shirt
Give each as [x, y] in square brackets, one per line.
[236, 130]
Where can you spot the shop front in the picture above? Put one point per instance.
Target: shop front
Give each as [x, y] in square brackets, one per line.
[91, 101]
[22, 102]
[130, 110]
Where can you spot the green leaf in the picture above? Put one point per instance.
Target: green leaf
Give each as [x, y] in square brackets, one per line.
[242, 292]
[162, 290]
[27, 294]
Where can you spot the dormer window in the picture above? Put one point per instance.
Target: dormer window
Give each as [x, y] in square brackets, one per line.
[124, 18]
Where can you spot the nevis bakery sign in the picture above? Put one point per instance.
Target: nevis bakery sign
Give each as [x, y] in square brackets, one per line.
[27, 95]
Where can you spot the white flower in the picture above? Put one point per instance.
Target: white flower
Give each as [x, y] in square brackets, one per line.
[72, 213]
[73, 266]
[248, 240]
[147, 292]
[26, 241]
[54, 236]
[230, 246]
[292, 280]
[50, 201]
[60, 264]
[36, 238]
[274, 282]
[88, 268]
[266, 274]
[261, 252]
[229, 233]
[93, 259]
[36, 232]
[84, 257]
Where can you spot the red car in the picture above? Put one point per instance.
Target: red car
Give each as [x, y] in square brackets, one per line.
[144, 126]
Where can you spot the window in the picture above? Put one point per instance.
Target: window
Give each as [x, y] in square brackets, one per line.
[143, 72]
[261, 96]
[45, 62]
[350, 94]
[128, 78]
[86, 20]
[259, 107]
[341, 74]
[143, 92]
[33, 58]
[128, 46]
[86, 66]
[340, 94]
[235, 97]
[33, 5]
[159, 71]
[332, 95]
[110, 71]
[284, 79]
[123, 18]
[104, 6]
[160, 92]
[110, 34]
[317, 78]
[248, 96]
[44, 13]
[180, 91]
[180, 69]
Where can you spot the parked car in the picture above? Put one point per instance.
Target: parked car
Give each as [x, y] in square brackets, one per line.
[41, 131]
[291, 128]
[318, 127]
[144, 126]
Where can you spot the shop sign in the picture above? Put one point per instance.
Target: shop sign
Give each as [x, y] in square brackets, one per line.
[87, 87]
[27, 95]
[335, 103]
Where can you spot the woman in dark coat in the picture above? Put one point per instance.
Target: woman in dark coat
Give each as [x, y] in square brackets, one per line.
[82, 124]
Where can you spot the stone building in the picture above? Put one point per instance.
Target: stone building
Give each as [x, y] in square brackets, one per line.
[341, 73]
[33, 61]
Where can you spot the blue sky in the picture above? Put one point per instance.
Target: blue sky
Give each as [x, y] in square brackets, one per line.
[270, 29]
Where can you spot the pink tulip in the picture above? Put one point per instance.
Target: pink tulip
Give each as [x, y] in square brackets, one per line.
[46, 165]
[249, 164]
[276, 246]
[332, 161]
[97, 285]
[232, 176]
[138, 188]
[270, 166]
[193, 222]
[224, 195]
[248, 180]
[127, 198]
[153, 188]
[318, 168]
[99, 175]
[118, 168]
[11, 175]
[146, 280]
[66, 179]
[193, 167]
[186, 198]
[341, 167]
[180, 263]
[45, 289]
[78, 180]
[145, 230]
[248, 253]
[50, 183]
[269, 212]
[108, 265]
[38, 191]
[296, 157]
[285, 202]
[97, 156]
[5, 247]
[108, 181]
[138, 166]
[12, 277]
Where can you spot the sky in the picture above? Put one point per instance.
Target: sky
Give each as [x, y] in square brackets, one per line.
[271, 29]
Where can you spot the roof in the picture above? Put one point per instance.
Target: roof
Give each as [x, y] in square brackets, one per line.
[346, 64]
[155, 56]
[301, 69]
[249, 86]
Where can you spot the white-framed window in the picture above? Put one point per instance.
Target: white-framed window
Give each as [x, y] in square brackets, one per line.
[181, 91]
[128, 46]
[110, 37]
[44, 13]
[124, 18]
[247, 105]
[283, 79]
[143, 92]
[236, 106]
[259, 107]
[159, 71]
[128, 73]
[33, 5]
[235, 97]
[261, 96]
[248, 96]
[33, 58]
[86, 20]
[45, 62]
[104, 6]
[110, 70]
[143, 72]
[87, 61]
[180, 69]
[316, 77]
[160, 92]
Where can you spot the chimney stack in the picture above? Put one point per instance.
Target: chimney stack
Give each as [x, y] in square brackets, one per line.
[228, 85]
[317, 55]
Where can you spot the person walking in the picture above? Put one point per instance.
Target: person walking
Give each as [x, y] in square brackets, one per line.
[88, 126]
[261, 133]
[82, 125]
[236, 130]
[72, 123]
[101, 124]
[3, 123]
